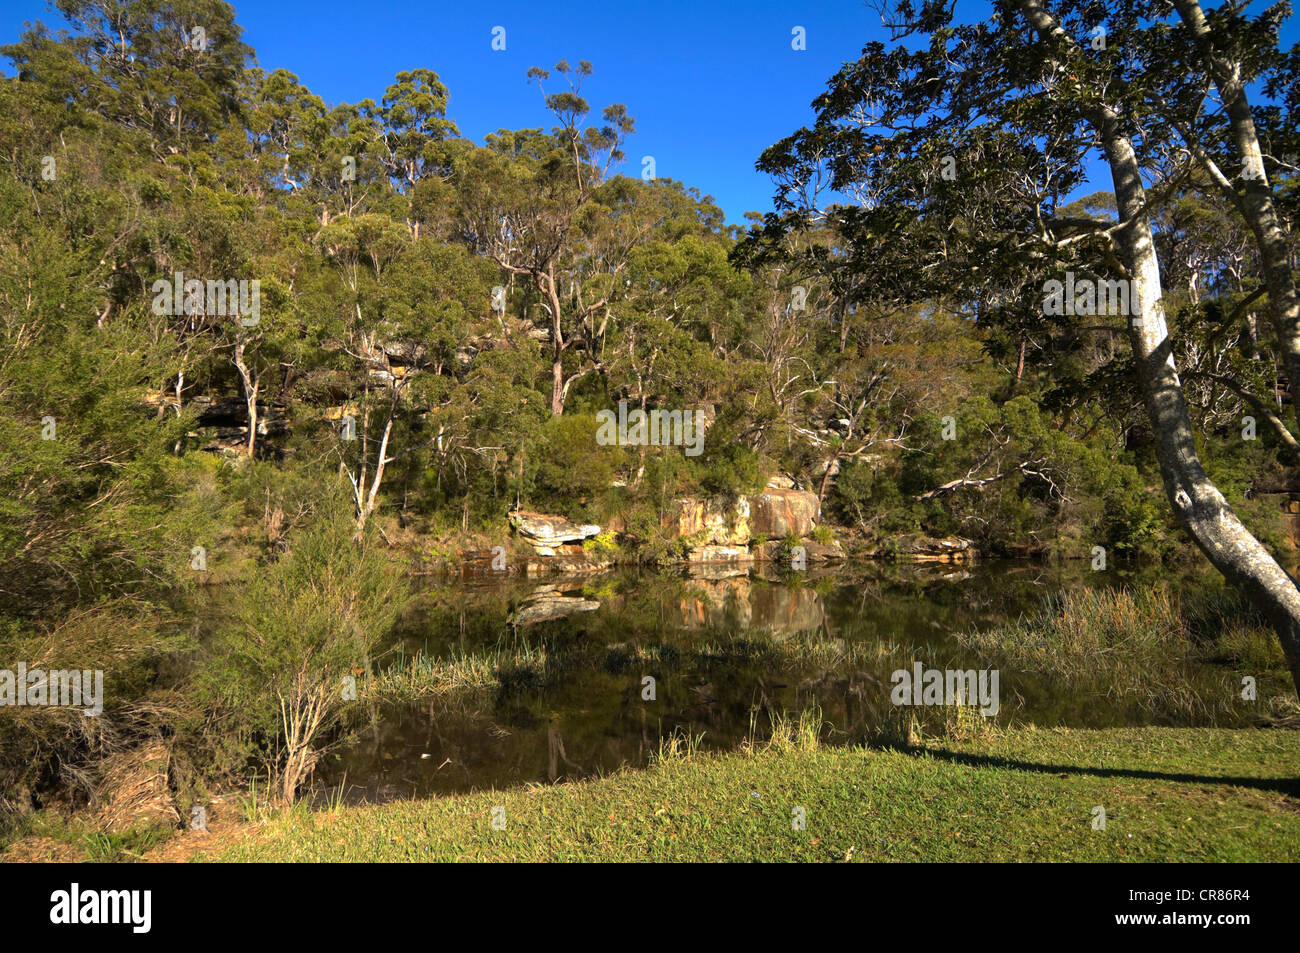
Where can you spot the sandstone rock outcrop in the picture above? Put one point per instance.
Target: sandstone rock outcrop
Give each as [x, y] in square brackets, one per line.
[713, 521]
[723, 530]
[925, 548]
[550, 535]
[717, 530]
[779, 512]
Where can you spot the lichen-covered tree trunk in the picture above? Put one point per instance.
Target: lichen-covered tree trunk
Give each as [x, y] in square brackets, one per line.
[1197, 503]
[1256, 204]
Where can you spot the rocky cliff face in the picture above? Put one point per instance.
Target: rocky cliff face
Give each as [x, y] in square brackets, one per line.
[722, 530]
[713, 522]
[777, 513]
[726, 534]
[718, 521]
[717, 530]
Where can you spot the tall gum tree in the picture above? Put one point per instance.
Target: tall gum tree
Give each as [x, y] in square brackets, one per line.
[1197, 503]
[1227, 50]
[531, 203]
[962, 148]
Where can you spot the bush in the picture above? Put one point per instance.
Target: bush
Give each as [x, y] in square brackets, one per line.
[303, 622]
[569, 467]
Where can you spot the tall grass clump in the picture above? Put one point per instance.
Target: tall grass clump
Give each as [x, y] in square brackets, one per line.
[678, 745]
[790, 733]
[1175, 654]
[424, 676]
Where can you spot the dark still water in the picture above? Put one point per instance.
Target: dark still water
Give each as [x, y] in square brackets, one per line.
[567, 697]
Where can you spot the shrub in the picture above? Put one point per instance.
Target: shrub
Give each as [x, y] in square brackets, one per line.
[302, 623]
[569, 466]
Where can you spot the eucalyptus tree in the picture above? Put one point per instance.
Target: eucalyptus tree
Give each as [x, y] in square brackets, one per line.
[1223, 51]
[537, 206]
[361, 248]
[413, 141]
[172, 70]
[959, 144]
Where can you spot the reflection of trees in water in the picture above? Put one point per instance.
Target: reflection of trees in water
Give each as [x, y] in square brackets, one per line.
[728, 651]
[555, 754]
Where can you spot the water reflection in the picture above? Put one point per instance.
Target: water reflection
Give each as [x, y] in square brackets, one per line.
[726, 649]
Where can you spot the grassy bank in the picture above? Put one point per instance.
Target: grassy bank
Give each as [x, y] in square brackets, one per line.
[1169, 794]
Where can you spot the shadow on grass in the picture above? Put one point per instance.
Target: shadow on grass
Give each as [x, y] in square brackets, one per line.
[1287, 786]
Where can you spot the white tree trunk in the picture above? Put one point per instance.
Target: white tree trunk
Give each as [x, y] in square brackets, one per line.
[1198, 505]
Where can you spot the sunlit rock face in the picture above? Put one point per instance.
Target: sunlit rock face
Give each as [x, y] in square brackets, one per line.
[713, 522]
[550, 535]
[776, 513]
[723, 530]
[717, 531]
[816, 552]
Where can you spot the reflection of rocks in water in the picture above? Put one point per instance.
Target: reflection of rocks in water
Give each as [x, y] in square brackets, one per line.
[718, 677]
[784, 610]
[716, 571]
[549, 602]
[779, 610]
[779, 574]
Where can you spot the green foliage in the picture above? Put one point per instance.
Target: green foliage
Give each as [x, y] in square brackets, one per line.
[568, 464]
[602, 544]
[324, 605]
[303, 623]
[470, 309]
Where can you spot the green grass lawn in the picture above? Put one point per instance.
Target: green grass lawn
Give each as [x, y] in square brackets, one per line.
[1169, 794]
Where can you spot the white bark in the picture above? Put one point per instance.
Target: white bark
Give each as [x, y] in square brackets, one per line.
[1198, 505]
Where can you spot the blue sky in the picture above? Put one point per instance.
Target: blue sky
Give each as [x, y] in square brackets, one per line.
[710, 83]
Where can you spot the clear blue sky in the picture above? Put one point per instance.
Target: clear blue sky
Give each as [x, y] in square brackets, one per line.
[711, 83]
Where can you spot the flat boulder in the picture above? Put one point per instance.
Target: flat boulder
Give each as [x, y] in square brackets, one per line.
[927, 548]
[548, 534]
[816, 552]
